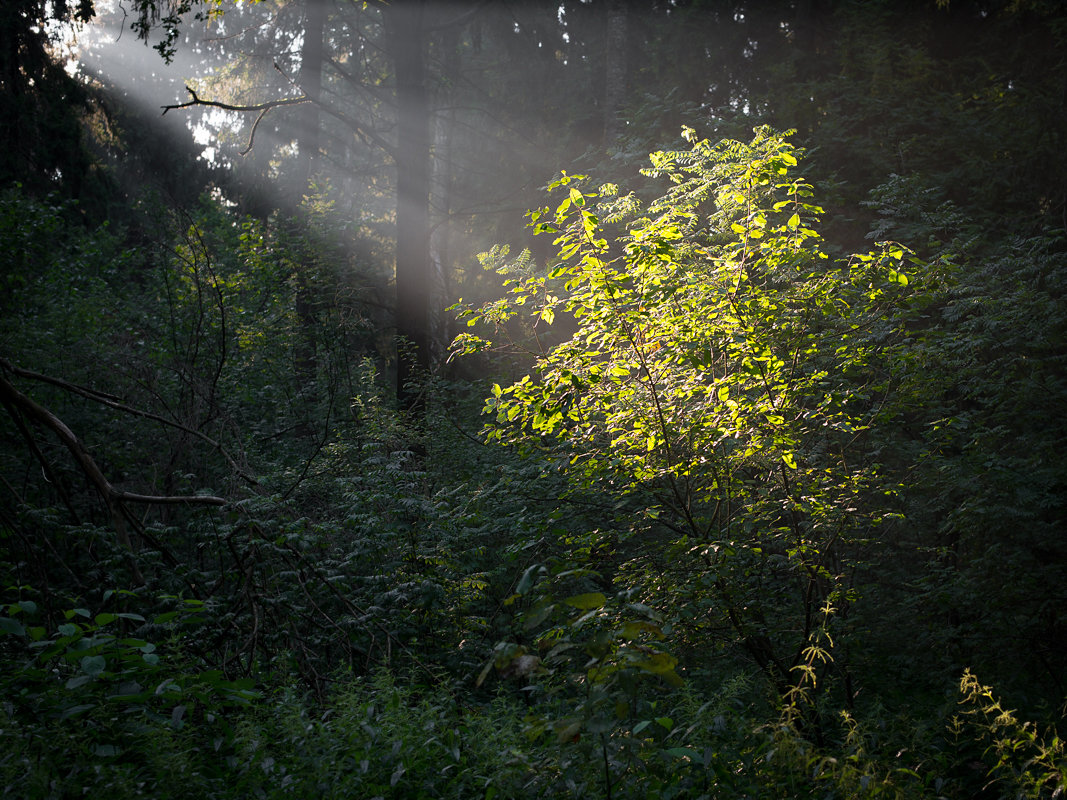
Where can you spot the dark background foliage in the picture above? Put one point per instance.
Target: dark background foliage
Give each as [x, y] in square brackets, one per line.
[258, 536]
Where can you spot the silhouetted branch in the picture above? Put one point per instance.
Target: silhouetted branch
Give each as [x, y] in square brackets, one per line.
[111, 401]
[84, 460]
[262, 108]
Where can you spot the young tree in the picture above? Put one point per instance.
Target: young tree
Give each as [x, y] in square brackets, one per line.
[720, 373]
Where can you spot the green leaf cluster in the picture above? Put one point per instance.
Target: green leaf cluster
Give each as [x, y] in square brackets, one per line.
[720, 369]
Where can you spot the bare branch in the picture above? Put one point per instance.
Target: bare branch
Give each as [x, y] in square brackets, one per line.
[169, 500]
[457, 21]
[198, 101]
[112, 497]
[262, 108]
[111, 401]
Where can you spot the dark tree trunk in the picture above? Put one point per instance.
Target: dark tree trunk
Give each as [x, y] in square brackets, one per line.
[406, 39]
[310, 81]
[616, 68]
[307, 141]
[441, 188]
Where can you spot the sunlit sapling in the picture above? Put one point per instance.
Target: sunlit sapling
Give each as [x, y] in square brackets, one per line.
[721, 369]
[1028, 762]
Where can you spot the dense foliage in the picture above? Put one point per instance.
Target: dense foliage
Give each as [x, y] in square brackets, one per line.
[743, 476]
[721, 377]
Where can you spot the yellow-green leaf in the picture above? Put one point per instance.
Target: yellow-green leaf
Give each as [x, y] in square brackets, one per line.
[633, 629]
[587, 601]
[661, 664]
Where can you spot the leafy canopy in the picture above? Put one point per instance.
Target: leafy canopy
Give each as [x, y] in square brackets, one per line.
[719, 366]
[713, 331]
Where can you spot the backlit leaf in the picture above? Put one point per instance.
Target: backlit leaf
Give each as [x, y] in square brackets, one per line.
[586, 601]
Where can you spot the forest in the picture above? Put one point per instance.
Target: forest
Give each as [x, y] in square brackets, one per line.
[500, 399]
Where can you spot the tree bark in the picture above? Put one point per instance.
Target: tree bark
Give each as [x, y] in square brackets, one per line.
[616, 67]
[406, 37]
[441, 185]
[307, 145]
[310, 82]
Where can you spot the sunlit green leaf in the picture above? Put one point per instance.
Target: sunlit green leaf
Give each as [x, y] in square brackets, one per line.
[587, 601]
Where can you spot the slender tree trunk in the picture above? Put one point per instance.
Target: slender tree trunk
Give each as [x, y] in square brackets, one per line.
[307, 141]
[406, 39]
[441, 184]
[616, 67]
[310, 81]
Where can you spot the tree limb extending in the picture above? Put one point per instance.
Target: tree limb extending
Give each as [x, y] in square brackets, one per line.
[42, 415]
[262, 108]
[111, 401]
[113, 498]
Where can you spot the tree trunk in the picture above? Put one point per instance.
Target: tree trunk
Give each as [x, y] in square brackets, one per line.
[307, 142]
[310, 82]
[406, 39]
[441, 184]
[615, 69]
